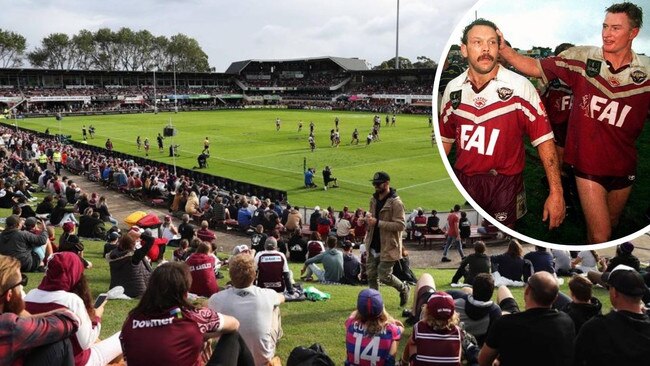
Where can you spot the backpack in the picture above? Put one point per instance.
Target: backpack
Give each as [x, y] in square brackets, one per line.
[315, 355]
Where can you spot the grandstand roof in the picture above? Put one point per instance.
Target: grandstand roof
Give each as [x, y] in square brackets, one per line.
[349, 64]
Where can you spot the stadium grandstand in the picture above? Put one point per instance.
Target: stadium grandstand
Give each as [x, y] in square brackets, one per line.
[321, 83]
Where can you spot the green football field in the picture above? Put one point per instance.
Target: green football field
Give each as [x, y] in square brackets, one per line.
[245, 146]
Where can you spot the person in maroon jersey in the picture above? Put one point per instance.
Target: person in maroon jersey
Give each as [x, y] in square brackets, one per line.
[612, 96]
[202, 268]
[165, 328]
[485, 111]
[557, 99]
[438, 338]
[272, 269]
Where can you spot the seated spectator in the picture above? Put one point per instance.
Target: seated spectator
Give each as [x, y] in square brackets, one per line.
[622, 337]
[271, 219]
[297, 247]
[33, 338]
[128, 265]
[370, 327]
[562, 262]
[539, 335]
[473, 264]
[359, 225]
[344, 228]
[111, 242]
[623, 256]
[203, 270]
[351, 265]
[28, 248]
[580, 305]
[419, 225]
[475, 307]
[332, 261]
[168, 230]
[46, 206]
[438, 337]
[258, 309]
[184, 328]
[294, 219]
[74, 245]
[272, 268]
[313, 219]
[65, 286]
[102, 209]
[511, 263]
[205, 234]
[183, 252]
[60, 214]
[192, 204]
[244, 217]
[585, 261]
[402, 268]
[538, 260]
[258, 238]
[185, 229]
[323, 225]
[91, 225]
[433, 223]
[25, 209]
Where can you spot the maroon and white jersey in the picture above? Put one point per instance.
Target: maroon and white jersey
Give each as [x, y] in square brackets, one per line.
[202, 269]
[609, 109]
[442, 347]
[488, 124]
[174, 337]
[271, 265]
[557, 99]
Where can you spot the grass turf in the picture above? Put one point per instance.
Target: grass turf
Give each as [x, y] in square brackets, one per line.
[245, 146]
[303, 322]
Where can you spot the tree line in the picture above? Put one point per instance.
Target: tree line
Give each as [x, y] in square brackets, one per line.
[105, 50]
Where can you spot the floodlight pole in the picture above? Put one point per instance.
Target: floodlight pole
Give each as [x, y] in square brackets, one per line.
[175, 93]
[155, 98]
[397, 40]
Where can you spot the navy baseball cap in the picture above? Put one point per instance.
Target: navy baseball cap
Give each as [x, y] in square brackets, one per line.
[626, 280]
[380, 177]
[370, 304]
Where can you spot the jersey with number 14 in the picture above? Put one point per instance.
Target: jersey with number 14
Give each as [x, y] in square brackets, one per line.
[609, 110]
[488, 124]
[364, 350]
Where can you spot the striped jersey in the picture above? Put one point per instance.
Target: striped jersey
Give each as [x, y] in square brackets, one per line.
[437, 347]
[365, 350]
[609, 111]
[488, 124]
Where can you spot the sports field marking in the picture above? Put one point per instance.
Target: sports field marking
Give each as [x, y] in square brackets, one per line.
[425, 183]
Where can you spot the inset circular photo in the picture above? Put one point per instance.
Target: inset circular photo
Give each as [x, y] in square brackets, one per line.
[542, 116]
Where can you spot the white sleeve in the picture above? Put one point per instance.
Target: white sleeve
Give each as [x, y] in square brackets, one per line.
[86, 334]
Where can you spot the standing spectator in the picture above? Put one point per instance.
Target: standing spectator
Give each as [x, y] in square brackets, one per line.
[65, 287]
[258, 309]
[203, 271]
[465, 228]
[372, 335]
[179, 340]
[473, 264]
[30, 337]
[386, 222]
[539, 335]
[453, 234]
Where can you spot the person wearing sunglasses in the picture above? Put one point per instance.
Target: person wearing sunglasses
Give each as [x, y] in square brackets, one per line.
[21, 334]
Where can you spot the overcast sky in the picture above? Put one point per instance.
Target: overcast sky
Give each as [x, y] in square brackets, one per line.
[527, 23]
[236, 30]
